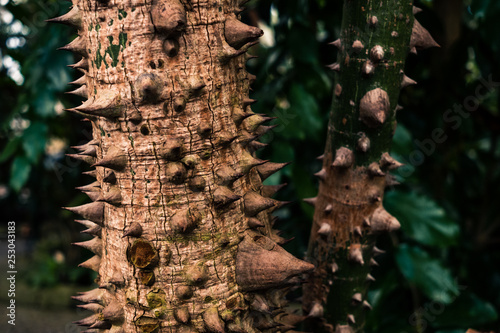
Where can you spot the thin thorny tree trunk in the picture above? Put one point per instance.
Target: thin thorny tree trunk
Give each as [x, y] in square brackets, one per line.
[375, 39]
[180, 221]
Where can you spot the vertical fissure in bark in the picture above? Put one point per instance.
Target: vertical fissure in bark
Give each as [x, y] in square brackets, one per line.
[374, 42]
[182, 236]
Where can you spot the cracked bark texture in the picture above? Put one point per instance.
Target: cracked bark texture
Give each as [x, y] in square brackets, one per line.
[183, 241]
[374, 43]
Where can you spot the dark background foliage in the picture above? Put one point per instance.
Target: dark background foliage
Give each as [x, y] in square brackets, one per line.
[440, 272]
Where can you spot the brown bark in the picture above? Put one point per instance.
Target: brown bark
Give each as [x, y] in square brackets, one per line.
[183, 239]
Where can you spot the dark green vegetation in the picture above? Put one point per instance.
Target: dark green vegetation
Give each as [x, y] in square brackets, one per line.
[440, 272]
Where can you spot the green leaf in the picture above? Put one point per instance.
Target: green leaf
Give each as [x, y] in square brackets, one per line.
[44, 104]
[34, 138]
[422, 219]
[19, 172]
[305, 120]
[427, 273]
[10, 149]
[467, 311]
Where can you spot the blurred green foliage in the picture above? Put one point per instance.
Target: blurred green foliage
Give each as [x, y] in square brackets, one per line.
[440, 272]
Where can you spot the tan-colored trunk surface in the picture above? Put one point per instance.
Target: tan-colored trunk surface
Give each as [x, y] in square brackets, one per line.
[177, 188]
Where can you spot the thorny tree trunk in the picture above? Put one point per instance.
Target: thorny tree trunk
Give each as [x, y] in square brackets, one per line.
[180, 219]
[375, 40]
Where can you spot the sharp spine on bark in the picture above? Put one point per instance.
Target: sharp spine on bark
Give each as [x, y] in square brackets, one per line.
[115, 159]
[84, 158]
[107, 105]
[375, 171]
[238, 115]
[176, 172]
[89, 150]
[185, 220]
[94, 307]
[253, 123]
[248, 101]
[344, 158]
[381, 220]
[255, 203]
[336, 43]
[267, 169]
[256, 145]
[356, 254]
[113, 312]
[374, 108]
[262, 264]
[390, 181]
[80, 81]
[406, 81]
[227, 175]
[351, 319]
[325, 230]
[261, 130]
[101, 324]
[92, 187]
[173, 149]
[91, 296]
[223, 196]
[228, 52]
[94, 245]
[92, 211]
[238, 33]
[113, 196]
[389, 163]
[270, 190]
[357, 297]
[253, 223]
[88, 321]
[82, 65]
[357, 46]
[311, 201]
[321, 174]
[334, 67]
[195, 84]
[368, 68]
[225, 138]
[93, 263]
[316, 311]
[169, 18]
[247, 162]
[376, 251]
[78, 46]
[133, 230]
[92, 228]
[377, 53]
[72, 18]
[421, 38]
[148, 87]
[366, 305]
[363, 143]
